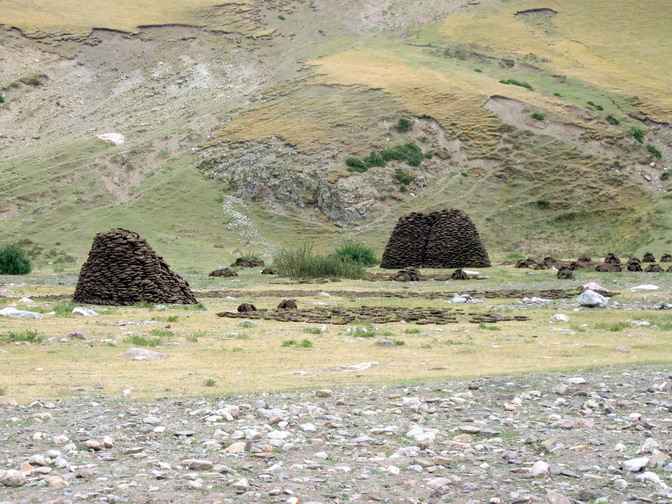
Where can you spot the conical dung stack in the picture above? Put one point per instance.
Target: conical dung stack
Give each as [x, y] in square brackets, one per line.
[122, 269]
[446, 239]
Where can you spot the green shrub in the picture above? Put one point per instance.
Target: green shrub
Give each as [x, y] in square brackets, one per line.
[597, 107]
[537, 116]
[374, 159]
[637, 133]
[29, 336]
[464, 174]
[302, 262]
[483, 325]
[408, 152]
[281, 17]
[306, 343]
[2, 99]
[209, 382]
[557, 94]
[402, 188]
[399, 342]
[542, 203]
[654, 151]
[516, 83]
[357, 252]
[288, 343]
[14, 260]
[478, 70]
[356, 165]
[402, 177]
[404, 125]
[612, 120]
[665, 175]
[412, 331]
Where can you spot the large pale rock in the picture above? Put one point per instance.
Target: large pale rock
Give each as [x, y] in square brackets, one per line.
[143, 354]
[112, 138]
[12, 478]
[636, 464]
[353, 367]
[592, 299]
[19, 314]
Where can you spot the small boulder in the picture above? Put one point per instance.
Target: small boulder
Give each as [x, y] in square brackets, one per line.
[19, 314]
[592, 299]
[287, 304]
[246, 308]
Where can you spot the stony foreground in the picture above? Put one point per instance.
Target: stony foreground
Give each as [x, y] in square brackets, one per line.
[557, 438]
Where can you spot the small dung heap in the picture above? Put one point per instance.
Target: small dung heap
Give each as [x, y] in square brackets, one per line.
[122, 269]
[446, 239]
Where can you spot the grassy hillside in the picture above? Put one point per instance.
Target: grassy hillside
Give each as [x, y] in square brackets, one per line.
[526, 113]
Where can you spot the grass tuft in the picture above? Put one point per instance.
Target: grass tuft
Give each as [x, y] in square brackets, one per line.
[138, 340]
[29, 336]
[302, 262]
[357, 252]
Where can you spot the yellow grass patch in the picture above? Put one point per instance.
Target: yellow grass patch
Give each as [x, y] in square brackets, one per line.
[239, 359]
[68, 18]
[616, 47]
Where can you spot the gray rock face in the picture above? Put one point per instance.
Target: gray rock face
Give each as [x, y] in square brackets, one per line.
[264, 170]
[592, 299]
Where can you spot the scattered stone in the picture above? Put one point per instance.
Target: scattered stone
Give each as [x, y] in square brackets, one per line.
[84, 312]
[13, 478]
[19, 314]
[78, 335]
[644, 287]
[636, 464]
[354, 367]
[323, 393]
[559, 317]
[143, 354]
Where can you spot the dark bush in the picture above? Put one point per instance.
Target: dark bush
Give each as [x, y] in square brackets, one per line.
[537, 116]
[14, 260]
[402, 177]
[637, 133]
[612, 120]
[356, 165]
[654, 151]
[404, 125]
[516, 83]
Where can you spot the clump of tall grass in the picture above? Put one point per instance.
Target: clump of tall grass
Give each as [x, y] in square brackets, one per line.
[302, 262]
[357, 252]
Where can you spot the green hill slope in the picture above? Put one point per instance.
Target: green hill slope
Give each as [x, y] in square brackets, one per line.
[239, 119]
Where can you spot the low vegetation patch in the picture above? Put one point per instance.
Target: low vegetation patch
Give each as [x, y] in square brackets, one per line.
[515, 82]
[612, 120]
[302, 262]
[653, 151]
[138, 340]
[595, 106]
[637, 134]
[29, 336]
[404, 125]
[409, 153]
[537, 116]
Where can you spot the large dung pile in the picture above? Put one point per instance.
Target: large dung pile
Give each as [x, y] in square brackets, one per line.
[446, 239]
[122, 269]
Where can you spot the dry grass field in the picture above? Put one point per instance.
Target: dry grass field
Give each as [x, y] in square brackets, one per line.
[202, 346]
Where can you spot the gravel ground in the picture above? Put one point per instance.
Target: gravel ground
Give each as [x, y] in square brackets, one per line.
[558, 438]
